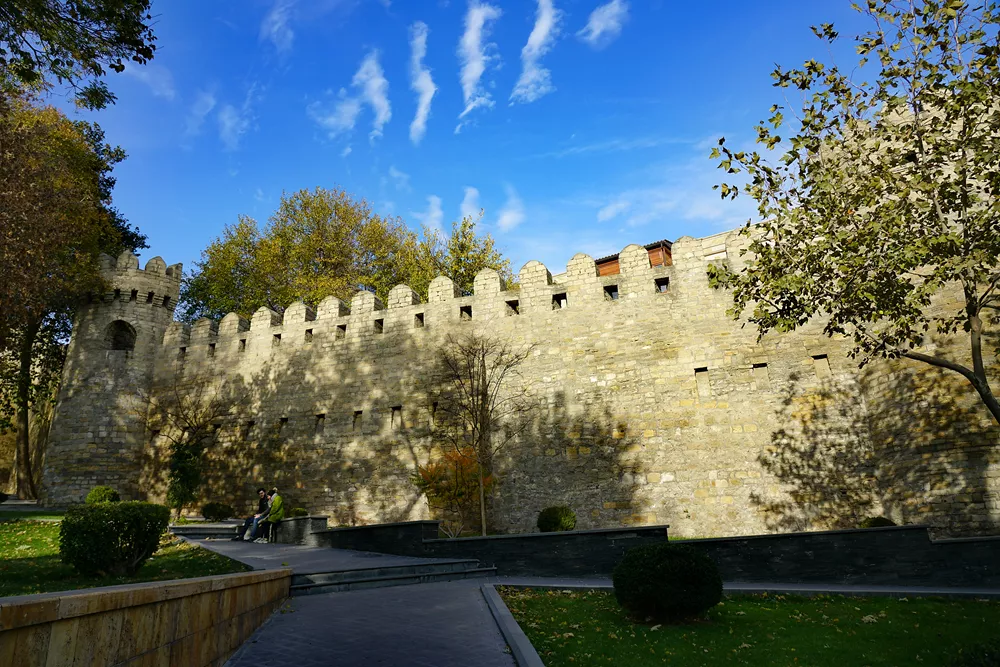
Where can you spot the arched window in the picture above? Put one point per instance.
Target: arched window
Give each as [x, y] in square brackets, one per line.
[119, 335]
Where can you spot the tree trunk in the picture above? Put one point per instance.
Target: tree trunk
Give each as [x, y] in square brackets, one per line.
[482, 502]
[25, 475]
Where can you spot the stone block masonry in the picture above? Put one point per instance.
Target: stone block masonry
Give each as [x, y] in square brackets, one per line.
[650, 405]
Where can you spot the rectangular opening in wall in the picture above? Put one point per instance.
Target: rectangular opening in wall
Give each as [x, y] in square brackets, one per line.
[821, 363]
[513, 307]
[340, 331]
[246, 429]
[760, 376]
[559, 301]
[118, 294]
[214, 430]
[309, 336]
[275, 340]
[418, 320]
[320, 424]
[134, 296]
[282, 423]
[356, 422]
[465, 312]
[611, 292]
[434, 409]
[378, 326]
[211, 349]
[182, 352]
[396, 418]
[701, 380]
[149, 298]
[166, 302]
[243, 345]
[154, 436]
[662, 285]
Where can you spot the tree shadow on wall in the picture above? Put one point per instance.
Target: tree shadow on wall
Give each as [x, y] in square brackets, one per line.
[901, 441]
[582, 456]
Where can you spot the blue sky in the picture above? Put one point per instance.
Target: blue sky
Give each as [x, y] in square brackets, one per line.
[578, 125]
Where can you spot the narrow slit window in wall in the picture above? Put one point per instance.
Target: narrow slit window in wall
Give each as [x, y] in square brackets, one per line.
[513, 307]
[821, 363]
[396, 418]
[275, 340]
[434, 409]
[559, 301]
[166, 302]
[356, 422]
[320, 424]
[211, 349]
[611, 292]
[309, 336]
[149, 298]
[379, 326]
[243, 345]
[418, 320]
[118, 294]
[154, 436]
[701, 379]
[760, 376]
[340, 331]
[134, 295]
[282, 423]
[246, 428]
[182, 352]
[662, 285]
[465, 312]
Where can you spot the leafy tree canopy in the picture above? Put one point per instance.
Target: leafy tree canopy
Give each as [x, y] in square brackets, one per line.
[884, 199]
[321, 243]
[72, 42]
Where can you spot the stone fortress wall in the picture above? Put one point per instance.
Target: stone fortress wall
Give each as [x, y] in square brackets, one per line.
[650, 405]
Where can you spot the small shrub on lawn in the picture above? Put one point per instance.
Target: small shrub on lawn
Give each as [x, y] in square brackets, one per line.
[111, 538]
[102, 494]
[298, 511]
[986, 654]
[876, 522]
[217, 511]
[667, 582]
[555, 519]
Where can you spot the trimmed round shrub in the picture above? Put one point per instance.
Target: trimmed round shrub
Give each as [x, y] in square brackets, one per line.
[111, 538]
[102, 494]
[298, 511]
[217, 511]
[554, 519]
[667, 582]
[876, 522]
[986, 654]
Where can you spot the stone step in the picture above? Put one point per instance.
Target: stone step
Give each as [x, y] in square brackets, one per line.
[380, 577]
[202, 531]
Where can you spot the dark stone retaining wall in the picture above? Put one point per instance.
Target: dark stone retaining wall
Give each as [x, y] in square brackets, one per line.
[299, 529]
[898, 556]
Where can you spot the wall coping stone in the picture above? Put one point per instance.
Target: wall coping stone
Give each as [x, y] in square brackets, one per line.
[808, 533]
[375, 525]
[26, 610]
[558, 533]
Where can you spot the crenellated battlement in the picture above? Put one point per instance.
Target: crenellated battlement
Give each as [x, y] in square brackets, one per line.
[157, 284]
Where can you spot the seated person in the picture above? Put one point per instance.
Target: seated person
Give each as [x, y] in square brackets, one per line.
[251, 522]
[275, 513]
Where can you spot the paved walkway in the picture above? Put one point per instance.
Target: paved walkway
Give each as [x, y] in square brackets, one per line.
[426, 625]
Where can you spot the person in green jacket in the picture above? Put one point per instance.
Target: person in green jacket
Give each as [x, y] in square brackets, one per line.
[276, 512]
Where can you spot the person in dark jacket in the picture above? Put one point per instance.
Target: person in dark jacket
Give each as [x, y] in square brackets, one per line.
[252, 521]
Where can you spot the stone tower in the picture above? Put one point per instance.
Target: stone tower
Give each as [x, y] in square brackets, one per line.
[98, 429]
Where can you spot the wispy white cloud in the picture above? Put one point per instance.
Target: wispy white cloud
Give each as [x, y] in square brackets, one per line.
[203, 104]
[605, 24]
[399, 178]
[157, 77]
[347, 151]
[613, 146]
[475, 55]
[374, 91]
[276, 26]
[536, 81]
[512, 213]
[234, 122]
[470, 203]
[613, 210]
[434, 215]
[420, 81]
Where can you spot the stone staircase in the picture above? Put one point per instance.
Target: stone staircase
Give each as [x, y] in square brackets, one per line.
[379, 577]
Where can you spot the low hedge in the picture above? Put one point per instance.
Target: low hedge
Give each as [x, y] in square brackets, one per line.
[555, 519]
[217, 511]
[112, 539]
[876, 522]
[298, 511]
[667, 582]
[102, 494]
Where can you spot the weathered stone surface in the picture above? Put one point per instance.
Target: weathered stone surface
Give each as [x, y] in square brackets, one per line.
[650, 408]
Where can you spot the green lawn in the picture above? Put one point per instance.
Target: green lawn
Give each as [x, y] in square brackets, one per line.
[29, 561]
[37, 515]
[591, 629]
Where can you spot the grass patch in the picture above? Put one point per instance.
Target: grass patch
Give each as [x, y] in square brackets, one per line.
[35, 515]
[589, 628]
[29, 562]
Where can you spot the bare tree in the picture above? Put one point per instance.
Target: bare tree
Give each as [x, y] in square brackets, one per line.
[484, 405]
